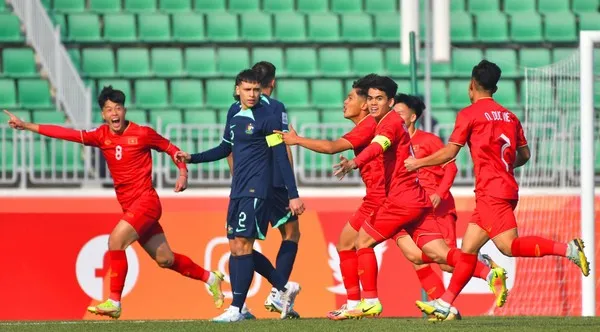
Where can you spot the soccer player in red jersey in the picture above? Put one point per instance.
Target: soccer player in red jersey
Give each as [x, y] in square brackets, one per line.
[127, 147]
[498, 145]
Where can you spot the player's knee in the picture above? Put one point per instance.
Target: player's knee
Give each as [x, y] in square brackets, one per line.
[165, 260]
[291, 232]
[505, 249]
[446, 268]
[116, 243]
[345, 245]
[363, 242]
[414, 257]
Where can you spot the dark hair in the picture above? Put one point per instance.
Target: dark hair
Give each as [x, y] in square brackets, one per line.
[265, 72]
[246, 75]
[108, 93]
[487, 74]
[415, 103]
[384, 84]
[362, 85]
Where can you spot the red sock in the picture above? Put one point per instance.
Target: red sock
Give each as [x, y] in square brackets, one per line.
[426, 259]
[462, 274]
[367, 272]
[481, 270]
[349, 269]
[188, 268]
[453, 257]
[535, 246]
[118, 272]
[431, 282]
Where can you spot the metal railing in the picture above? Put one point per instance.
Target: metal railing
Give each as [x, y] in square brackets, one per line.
[71, 92]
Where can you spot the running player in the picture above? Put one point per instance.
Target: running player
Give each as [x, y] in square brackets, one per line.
[498, 145]
[126, 147]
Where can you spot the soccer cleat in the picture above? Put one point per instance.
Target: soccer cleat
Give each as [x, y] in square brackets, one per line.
[453, 315]
[230, 315]
[247, 314]
[576, 255]
[273, 304]
[288, 298]
[498, 275]
[107, 308]
[215, 289]
[435, 308]
[339, 314]
[365, 309]
[487, 260]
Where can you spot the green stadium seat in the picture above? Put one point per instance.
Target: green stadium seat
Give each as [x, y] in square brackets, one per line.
[167, 117]
[313, 6]
[188, 27]
[34, 93]
[439, 93]
[387, 27]
[68, 157]
[105, 6]
[60, 21]
[98, 62]
[346, 6]
[301, 62]
[154, 27]
[187, 93]
[457, 5]
[589, 21]
[69, 6]
[300, 117]
[223, 115]
[461, 27]
[381, 6]
[553, 6]
[357, 28]
[119, 28]
[333, 115]
[507, 94]
[506, 59]
[222, 27]
[150, 93]
[323, 28]
[367, 60]
[2, 6]
[23, 115]
[444, 116]
[205, 6]
[232, 60]
[75, 57]
[219, 93]
[463, 61]
[597, 61]
[278, 6]
[290, 27]
[8, 97]
[200, 62]
[8, 153]
[492, 27]
[256, 27]
[175, 6]
[10, 28]
[334, 62]
[458, 91]
[48, 117]
[327, 93]
[404, 86]
[84, 28]
[273, 55]
[137, 116]
[534, 57]
[39, 156]
[526, 27]
[18, 62]
[119, 84]
[585, 6]
[562, 53]
[244, 6]
[199, 116]
[481, 6]
[294, 93]
[167, 62]
[393, 63]
[139, 6]
[133, 62]
[519, 6]
[560, 27]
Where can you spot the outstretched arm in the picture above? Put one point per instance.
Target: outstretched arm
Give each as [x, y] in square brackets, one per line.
[377, 147]
[217, 153]
[159, 143]
[318, 145]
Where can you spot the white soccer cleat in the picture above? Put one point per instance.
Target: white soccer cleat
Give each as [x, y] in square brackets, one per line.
[288, 298]
[247, 314]
[273, 304]
[231, 315]
[576, 255]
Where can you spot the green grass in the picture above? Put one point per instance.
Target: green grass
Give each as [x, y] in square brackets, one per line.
[479, 324]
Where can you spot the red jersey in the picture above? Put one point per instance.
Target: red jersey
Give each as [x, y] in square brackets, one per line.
[392, 140]
[434, 179]
[128, 155]
[493, 134]
[371, 172]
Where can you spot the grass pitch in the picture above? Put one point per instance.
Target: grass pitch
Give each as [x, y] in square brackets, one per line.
[575, 324]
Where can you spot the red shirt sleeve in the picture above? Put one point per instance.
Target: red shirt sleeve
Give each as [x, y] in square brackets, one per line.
[450, 171]
[462, 129]
[91, 137]
[521, 140]
[385, 136]
[359, 137]
[159, 143]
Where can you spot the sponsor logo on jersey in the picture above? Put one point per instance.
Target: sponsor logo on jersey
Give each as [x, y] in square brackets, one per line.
[415, 147]
[284, 118]
[107, 142]
[250, 129]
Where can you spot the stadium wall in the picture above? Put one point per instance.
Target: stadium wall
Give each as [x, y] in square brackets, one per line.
[55, 242]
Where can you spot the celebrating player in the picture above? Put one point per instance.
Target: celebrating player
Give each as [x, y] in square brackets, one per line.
[126, 147]
[249, 136]
[498, 145]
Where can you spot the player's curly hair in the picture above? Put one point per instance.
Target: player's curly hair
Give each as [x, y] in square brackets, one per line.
[383, 83]
[108, 93]
[415, 103]
[265, 72]
[246, 75]
[362, 85]
[487, 74]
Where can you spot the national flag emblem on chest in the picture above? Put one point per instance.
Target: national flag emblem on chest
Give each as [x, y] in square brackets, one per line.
[250, 129]
[415, 147]
[132, 140]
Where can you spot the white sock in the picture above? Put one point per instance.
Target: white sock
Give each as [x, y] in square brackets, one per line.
[489, 276]
[351, 304]
[372, 301]
[568, 254]
[444, 303]
[235, 309]
[211, 278]
[115, 303]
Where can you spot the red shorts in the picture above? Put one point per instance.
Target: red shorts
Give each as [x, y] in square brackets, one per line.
[143, 216]
[365, 212]
[494, 215]
[391, 218]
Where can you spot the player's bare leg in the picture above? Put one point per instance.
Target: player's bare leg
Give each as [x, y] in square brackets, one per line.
[121, 237]
[158, 248]
[349, 270]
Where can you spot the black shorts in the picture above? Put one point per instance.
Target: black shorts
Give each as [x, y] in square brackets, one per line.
[247, 217]
[280, 212]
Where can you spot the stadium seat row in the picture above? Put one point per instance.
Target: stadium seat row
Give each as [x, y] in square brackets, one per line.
[26, 93]
[311, 6]
[290, 62]
[489, 27]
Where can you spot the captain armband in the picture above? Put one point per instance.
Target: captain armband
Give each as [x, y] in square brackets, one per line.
[383, 141]
[274, 139]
